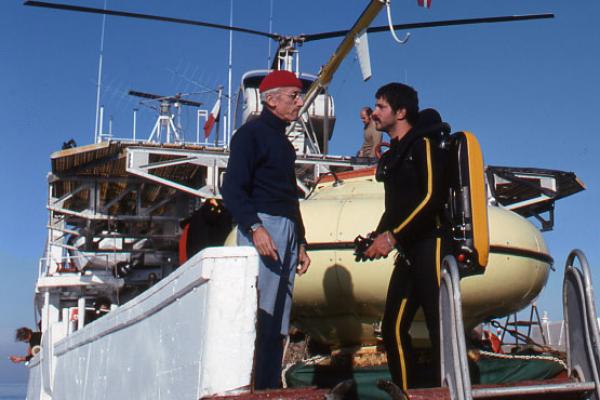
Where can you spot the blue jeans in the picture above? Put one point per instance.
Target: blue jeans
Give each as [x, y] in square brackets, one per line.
[275, 287]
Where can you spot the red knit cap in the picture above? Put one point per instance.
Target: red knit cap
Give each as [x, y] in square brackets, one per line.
[278, 79]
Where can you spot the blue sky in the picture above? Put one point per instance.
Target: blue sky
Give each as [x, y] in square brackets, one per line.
[528, 90]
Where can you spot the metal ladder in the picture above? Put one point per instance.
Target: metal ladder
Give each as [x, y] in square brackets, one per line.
[583, 340]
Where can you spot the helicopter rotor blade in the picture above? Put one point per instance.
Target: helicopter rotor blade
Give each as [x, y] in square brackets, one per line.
[188, 102]
[145, 95]
[432, 24]
[170, 99]
[68, 7]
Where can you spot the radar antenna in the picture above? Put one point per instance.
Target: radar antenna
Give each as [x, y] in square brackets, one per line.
[165, 127]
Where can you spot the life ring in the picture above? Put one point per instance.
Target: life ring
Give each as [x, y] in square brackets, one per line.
[35, 350]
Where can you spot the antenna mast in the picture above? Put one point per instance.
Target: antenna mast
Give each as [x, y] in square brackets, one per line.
[167, 126]
[270, 31]
[99, 80]
[227, 136]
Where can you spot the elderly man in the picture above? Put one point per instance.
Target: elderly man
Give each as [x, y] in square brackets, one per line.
[260, 191]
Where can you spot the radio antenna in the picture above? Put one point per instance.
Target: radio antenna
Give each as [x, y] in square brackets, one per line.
[227, 125]
[99, 80]
[270, 31]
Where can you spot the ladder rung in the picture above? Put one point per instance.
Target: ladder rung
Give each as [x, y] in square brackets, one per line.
[484, 393]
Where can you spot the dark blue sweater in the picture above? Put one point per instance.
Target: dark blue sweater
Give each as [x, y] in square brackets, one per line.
[260, 174]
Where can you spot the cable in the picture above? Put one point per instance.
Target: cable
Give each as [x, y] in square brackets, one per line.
[391, 25]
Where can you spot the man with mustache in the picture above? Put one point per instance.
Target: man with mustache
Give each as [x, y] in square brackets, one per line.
[413, 173]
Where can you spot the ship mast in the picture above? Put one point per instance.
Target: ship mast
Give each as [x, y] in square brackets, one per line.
[99, 81]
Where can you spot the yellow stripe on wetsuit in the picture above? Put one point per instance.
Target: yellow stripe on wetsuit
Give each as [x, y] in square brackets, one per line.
[438, 242]
[429, 191]
[399, 344]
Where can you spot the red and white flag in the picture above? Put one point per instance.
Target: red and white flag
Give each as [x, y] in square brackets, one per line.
[424, 3]
[212, 117]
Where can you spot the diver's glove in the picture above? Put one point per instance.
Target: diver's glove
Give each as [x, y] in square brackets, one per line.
[361, 244]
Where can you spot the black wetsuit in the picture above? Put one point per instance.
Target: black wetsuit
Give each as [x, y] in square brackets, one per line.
[415, 191]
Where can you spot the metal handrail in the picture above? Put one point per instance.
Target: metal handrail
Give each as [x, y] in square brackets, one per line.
[583, 353]
[484, 393]
[587, 281]
[457, 377]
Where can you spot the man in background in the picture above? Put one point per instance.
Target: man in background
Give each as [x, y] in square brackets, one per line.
[26, 335]
[371, 136]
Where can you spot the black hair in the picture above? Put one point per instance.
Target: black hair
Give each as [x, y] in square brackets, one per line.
[368, 110]
[399, 96]
[23, 334]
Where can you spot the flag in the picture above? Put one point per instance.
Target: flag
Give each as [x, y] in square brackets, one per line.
[212, 117]
[424, 3]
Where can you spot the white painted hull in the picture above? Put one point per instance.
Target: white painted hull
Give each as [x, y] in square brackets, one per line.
[191, 335]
